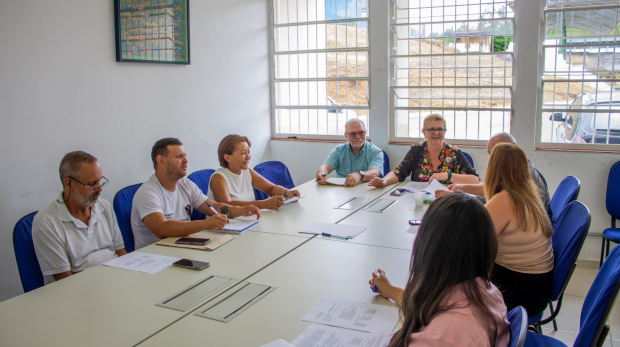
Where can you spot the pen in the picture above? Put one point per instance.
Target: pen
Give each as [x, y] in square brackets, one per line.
[374, 286]
[322, 175]
[334, 236]
[211, 207]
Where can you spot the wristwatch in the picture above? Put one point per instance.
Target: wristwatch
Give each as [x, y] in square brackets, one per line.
[361, 174]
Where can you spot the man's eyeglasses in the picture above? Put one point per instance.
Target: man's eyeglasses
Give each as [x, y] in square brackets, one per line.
[433, 130]
[102, 183]
[360, 133]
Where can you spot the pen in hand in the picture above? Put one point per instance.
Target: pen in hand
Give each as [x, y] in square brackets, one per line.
[322, 175]
[374, 286]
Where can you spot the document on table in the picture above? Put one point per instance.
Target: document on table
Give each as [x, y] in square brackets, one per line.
[317, 335]
[340, 230]
[432, 187]
[337, 181]
[353, 315]
[293, 199]
[142, 262]
[278, 343]
[416, 186]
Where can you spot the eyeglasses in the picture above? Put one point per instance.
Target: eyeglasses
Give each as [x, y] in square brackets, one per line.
[360, 133]
[102, 183]
[433, 130]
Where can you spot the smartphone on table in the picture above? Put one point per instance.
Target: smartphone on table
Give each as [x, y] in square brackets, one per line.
[415, 222]
[399, 192]
[192, 241]
[192, 264]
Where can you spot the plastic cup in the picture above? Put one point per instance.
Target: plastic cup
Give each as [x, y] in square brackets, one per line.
[419, 198]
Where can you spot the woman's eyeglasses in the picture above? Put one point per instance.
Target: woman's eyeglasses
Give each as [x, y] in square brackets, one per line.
[433, 130]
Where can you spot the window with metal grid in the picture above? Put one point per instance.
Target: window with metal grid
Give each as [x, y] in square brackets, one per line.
[580, 105]
[320, 65]
[454, 58]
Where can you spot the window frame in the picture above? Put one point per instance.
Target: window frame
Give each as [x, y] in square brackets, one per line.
[272, 76]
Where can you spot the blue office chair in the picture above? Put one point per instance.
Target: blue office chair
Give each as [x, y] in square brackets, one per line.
[386, 163]
[569, 234]
[201, 178]
[469, 159]
[596, 308]
[518, 326]
[275, 172]
[612, 202]
[122, 209]
[567, 191]
[27, 262]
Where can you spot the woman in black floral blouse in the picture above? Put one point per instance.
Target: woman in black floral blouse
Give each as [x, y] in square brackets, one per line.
[432, 159]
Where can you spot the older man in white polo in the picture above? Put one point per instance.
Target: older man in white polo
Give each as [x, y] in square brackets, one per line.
[358, 160]
[78, 230]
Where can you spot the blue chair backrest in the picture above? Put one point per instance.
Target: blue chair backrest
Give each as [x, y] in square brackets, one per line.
[567, 191]
[569, 233]
[201, 178]
[122, 209]
[469, 159]
[599, 300]
[275, 172]
[27, 262]
[386, 163]
[612, 201]
[518, 326]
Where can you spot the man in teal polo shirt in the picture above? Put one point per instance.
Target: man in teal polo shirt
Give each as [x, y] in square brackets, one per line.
[358, 160]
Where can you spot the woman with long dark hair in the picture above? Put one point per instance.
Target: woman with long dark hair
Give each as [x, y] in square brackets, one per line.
[449, 299]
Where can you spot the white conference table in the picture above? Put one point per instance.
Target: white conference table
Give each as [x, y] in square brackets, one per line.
[106, 306]
[317, 269]
[389, 228]
[317, 206]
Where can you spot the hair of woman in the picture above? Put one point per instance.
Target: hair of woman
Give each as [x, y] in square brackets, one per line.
[228, 146]
[434, 117]
[508, 170]
[456, 245]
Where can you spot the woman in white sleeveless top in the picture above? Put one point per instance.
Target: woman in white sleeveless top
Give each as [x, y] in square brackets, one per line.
[234, 182]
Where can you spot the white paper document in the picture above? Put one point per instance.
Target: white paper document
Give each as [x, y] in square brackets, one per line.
[415, 186]
[317, 335]
[339, 230]
[142, 262]
[432, 187]
[278, 343]
[293, 199]
[337, 181]
[353, 315]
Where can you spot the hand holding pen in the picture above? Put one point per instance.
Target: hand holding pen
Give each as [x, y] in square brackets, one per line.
[320, 178]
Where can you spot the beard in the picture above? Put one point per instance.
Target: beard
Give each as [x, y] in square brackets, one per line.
[175, 172]
[86, 200]
[356, 145]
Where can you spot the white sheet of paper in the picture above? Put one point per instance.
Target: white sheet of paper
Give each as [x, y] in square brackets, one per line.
[293, 199]
[317, 335]
[413, 229]
[353, 315]
[339, 181]
[432, 187]
[278, 343]
[142, 262]
[342, 230]
[416, 186]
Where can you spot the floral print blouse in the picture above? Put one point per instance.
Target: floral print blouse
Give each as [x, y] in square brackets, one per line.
[418, 164]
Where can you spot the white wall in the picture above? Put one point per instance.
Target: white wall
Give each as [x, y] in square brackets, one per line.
[61, 90]
[591, 168]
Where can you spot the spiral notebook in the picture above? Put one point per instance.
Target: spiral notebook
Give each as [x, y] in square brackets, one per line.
[237, 226]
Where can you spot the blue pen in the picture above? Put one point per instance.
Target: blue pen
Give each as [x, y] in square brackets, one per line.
[334, 236]
[374, 286]
[211, 207]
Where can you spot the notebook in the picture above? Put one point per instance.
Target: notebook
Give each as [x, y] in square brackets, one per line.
[237, 226]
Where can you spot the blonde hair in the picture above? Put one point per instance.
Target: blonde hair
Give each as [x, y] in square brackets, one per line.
[508, 170]
[434, 117]
[228, 145]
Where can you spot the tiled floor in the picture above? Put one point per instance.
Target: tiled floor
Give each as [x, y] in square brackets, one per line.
[568, 319]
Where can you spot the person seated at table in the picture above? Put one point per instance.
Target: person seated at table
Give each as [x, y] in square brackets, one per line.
[358, 160]
[78, 230]
[478, 189]
[524, 266]
[448, 299]
[163, 205]
[432, 159]
[234, 182]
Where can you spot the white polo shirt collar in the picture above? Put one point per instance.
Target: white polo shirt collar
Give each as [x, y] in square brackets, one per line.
[65, 215]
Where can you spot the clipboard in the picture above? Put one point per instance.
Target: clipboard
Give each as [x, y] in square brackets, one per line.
[217, 240]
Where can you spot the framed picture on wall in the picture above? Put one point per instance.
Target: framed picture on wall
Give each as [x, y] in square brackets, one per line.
[152, 31]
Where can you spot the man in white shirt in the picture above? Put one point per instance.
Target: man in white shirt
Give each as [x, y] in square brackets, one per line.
[163, 205]
[79, 229]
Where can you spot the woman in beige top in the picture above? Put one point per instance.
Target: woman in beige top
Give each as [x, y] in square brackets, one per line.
[523, 268]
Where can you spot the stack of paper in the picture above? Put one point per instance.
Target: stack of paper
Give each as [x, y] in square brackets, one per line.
[321, 335]
[353, 315]
[434, 186]
[337, 230]
[336, 181]
[142, 262]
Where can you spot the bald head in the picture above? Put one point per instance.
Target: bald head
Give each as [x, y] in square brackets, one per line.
[500, 138]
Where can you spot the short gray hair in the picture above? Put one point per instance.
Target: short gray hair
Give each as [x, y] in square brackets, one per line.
[346, 125]
[504, 137]
[71, 163]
